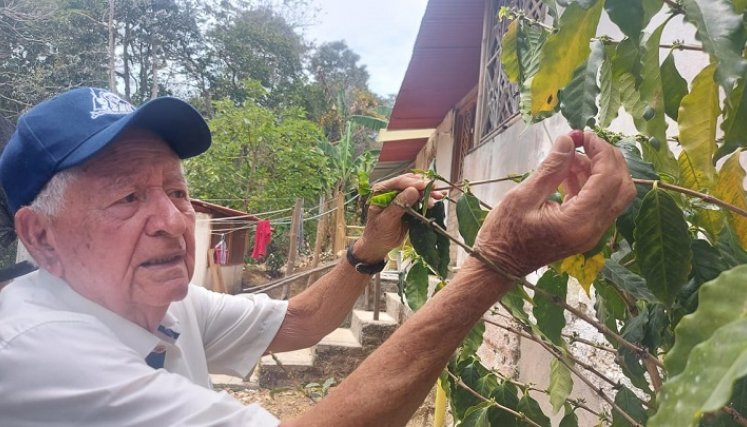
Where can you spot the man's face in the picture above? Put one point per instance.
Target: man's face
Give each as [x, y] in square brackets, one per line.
[125, 234]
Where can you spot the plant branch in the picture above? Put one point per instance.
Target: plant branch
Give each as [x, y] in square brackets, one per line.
[537, 339]
[596, 389]
[555, 300]
[682, 46]
[572, 338]
[574, 402]
[705, 197]
[518, 415]
[735, 415]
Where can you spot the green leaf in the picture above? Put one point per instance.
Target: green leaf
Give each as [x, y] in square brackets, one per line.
[550, 318]
[569, 420]
[506, 394]
[707, 261]
[529, 407]
[729, 188]
[373, 123]
[628, 281]
[717, 306]
[478, 416]
[416, 285]
[472, 341]
[472, 373]
[729, 247]
[674, 86]
[609, 306]
[578, 100]
[722, 32]
[638, 167]
[652, 96]
[562, 53]
[740, 5]
[609, 96]
[707, 382]
[632, 16]
[383, 200]
[662, 245]
[433, 247]
[470, 216]
[628, 402]
[561, 384]
[514, 301]
[734, 125]
[697, 124]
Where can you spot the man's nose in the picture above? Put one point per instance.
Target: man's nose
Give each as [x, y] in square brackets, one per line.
[165, 218]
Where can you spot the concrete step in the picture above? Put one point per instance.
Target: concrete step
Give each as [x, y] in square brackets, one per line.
[369, 332]
[296, 367]
[338, 354]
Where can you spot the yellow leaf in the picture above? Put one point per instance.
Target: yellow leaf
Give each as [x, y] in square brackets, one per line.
[582, 269]
[729, 188]
[697, 120]
[563, 52]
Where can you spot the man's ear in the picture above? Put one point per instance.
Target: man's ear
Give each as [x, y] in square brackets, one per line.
[34, 231]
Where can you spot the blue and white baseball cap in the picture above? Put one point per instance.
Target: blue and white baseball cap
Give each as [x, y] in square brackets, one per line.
[70, 128]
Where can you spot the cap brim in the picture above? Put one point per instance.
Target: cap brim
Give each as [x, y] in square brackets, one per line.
[177, 122]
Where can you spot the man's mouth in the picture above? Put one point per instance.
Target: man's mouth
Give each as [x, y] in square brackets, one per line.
[167, 260]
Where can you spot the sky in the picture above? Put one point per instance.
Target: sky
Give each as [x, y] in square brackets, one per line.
[382, 32]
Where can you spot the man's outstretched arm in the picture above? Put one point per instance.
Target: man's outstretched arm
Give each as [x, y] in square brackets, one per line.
[525, 232]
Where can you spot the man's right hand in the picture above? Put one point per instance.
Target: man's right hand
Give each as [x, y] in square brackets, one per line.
[527, 231]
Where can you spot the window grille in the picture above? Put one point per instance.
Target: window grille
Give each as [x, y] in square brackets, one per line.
[500, 97]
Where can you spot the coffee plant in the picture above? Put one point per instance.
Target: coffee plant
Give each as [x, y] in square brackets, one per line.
[668, 279]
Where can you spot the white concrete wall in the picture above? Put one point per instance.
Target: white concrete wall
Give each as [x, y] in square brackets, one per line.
[201, 276]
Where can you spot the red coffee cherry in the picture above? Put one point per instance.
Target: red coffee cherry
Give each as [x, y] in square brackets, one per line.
[578, 137]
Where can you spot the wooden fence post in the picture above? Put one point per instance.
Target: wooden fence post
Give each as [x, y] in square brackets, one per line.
[321, 232]
[340, 227]
[293, 244]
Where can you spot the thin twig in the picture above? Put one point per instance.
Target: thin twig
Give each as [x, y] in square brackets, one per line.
[705, 197]
[682, 46]
[735, 415]
[536, 339]
[574, 402]
[553, 298]
[518, 415]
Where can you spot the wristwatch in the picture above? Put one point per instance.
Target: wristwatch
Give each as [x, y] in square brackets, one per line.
[362, 267]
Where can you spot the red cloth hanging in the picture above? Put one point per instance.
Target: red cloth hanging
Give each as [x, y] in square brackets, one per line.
[262, 237]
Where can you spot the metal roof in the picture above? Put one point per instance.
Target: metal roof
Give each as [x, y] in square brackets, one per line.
[444, 67]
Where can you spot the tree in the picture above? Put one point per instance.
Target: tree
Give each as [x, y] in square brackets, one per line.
[261, 45]
[667, 277]
[48, 46]
[260, 160]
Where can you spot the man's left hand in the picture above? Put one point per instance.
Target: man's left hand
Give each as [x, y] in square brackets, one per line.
[385, 229]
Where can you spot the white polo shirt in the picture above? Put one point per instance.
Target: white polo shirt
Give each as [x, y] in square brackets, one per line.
[65, 360]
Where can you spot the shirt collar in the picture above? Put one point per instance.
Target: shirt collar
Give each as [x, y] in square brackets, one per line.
[129, 333]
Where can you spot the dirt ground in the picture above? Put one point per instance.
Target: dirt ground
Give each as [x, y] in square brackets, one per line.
[290, 403]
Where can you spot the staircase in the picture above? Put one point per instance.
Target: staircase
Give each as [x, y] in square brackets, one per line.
[337, 354]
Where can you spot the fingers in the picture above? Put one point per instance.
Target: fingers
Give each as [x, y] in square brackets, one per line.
[401, 182]
[551, 172]
[608, 189]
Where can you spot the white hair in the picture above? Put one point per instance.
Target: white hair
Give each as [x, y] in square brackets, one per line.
[50, 198]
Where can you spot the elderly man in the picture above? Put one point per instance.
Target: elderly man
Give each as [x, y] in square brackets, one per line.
[110, 332]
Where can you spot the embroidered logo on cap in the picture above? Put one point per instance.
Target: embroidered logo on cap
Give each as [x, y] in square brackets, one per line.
[108, 103]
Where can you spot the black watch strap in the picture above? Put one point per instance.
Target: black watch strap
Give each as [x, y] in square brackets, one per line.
[362, 267]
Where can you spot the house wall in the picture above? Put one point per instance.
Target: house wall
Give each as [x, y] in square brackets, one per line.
[231, 273]
[201, 275]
